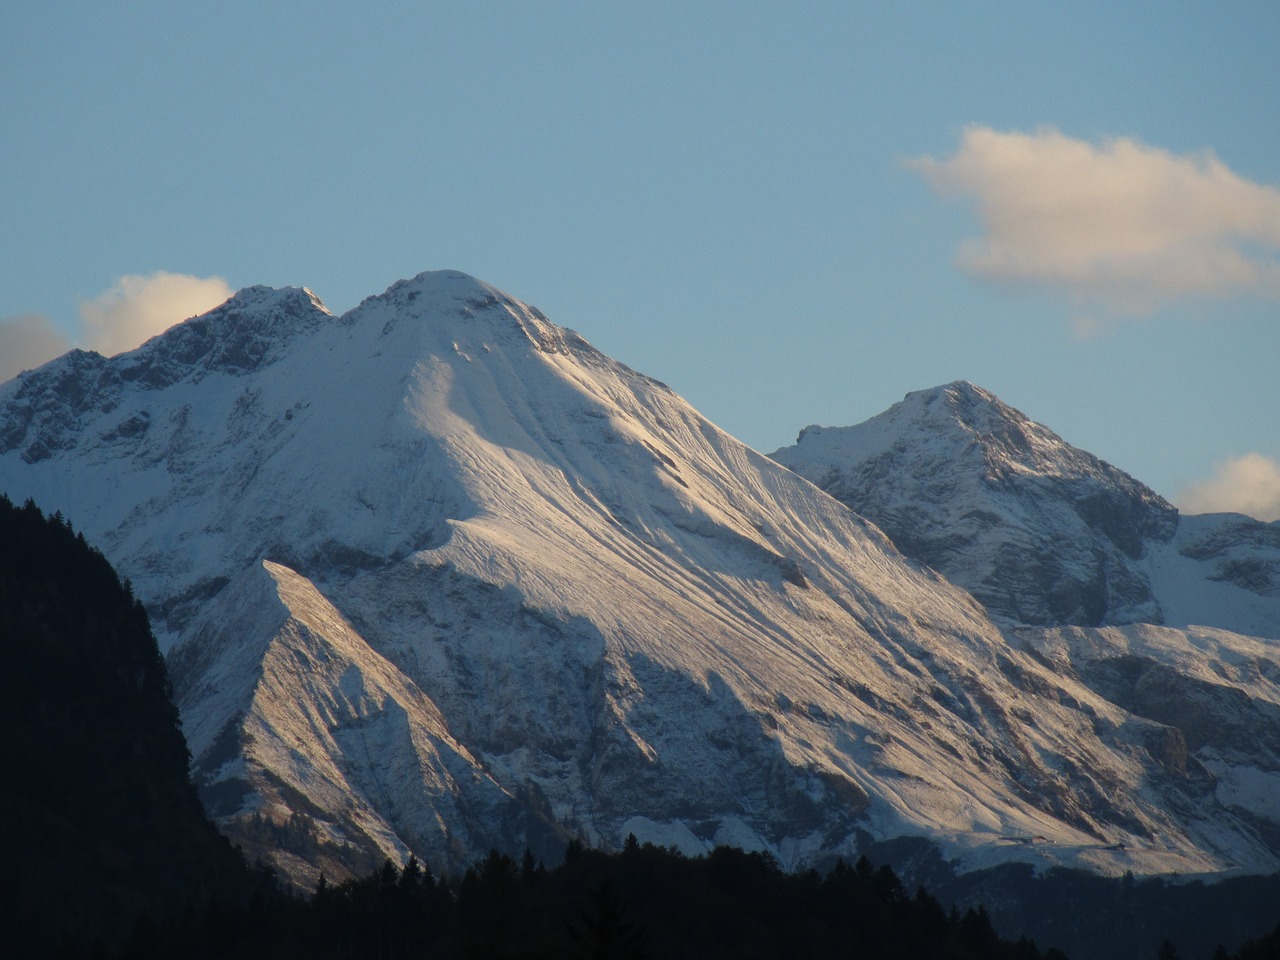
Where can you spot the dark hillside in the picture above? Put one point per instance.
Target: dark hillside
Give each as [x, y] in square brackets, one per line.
[645, 903]
[98, 819]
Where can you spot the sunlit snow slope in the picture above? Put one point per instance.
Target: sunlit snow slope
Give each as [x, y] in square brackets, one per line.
[1038, 530]
[436, 576]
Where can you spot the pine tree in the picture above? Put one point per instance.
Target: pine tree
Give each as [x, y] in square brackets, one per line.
[604, 934]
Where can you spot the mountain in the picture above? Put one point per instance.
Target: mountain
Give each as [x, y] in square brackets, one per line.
[101, 819]
[438, 576]
[1054, 542]
[1038, 530]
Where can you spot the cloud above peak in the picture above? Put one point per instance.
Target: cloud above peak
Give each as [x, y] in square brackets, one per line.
[1119, 225]
[27, 341]
[1249, 484]
[136, 308]
[120, 318]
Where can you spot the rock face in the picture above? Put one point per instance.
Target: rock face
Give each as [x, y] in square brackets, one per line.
[1242, 550]
[1214, 696]
[437, 576]
[1040, 531]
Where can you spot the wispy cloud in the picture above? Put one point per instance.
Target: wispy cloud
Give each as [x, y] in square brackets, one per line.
[118, 319]
[1248, 485]
[136, 308]
[26, 341]
[1118, 225]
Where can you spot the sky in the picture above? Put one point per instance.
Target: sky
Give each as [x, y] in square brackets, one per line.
[790, 213]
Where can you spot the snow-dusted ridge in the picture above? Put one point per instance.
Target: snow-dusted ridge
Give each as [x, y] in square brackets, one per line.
[1044, 533]
[437, 575]
[1038, 530]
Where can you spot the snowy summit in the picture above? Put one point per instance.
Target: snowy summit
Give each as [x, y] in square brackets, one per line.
[437, 576]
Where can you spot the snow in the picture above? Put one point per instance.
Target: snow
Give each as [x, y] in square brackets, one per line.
[1249, 788]
[673, 834]
[1188, 591]
[1038, 530]
[324, 715]
[438, 565]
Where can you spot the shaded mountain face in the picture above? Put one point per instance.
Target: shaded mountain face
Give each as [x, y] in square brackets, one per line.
[1039, 531]
[101, 819]
[1224, 571]
[438, 576]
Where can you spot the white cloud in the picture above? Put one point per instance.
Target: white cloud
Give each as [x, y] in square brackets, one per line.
[1248, 485]
[121, 318]
[1120, 225]
[137, 308]
[27, 341]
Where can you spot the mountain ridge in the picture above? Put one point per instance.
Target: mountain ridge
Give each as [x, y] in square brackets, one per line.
[627, 620]
[1040, 531]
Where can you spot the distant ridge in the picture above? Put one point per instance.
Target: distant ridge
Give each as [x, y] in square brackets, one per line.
[1038, 530]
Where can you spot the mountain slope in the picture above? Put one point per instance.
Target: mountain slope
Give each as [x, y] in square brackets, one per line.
[297, 705]
[1040, 531]
[1221, 570]
[1215, 695]
[437, 575]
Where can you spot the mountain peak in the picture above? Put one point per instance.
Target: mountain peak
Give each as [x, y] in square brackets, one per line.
[284, 299]
[967, 403]
[964, 422]
[978, 413]
[250, 330]
[957, 390]
[435, 291]
[253, 329]
[467, 315]
[442, 520]
[456, 283]
[953, 472]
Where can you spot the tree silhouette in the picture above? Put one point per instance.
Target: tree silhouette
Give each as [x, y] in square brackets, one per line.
[604, 933]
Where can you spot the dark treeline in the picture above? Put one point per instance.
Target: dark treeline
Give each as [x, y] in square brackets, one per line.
[643, 902]
[1120, 918]
[99, 821]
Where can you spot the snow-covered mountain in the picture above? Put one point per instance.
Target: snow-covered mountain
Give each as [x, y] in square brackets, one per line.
[1038, 530]
[436, 575]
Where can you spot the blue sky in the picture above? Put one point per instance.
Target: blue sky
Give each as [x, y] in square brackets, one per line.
[792, 214]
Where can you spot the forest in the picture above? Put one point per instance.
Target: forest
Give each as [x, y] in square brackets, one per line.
[645, 901]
